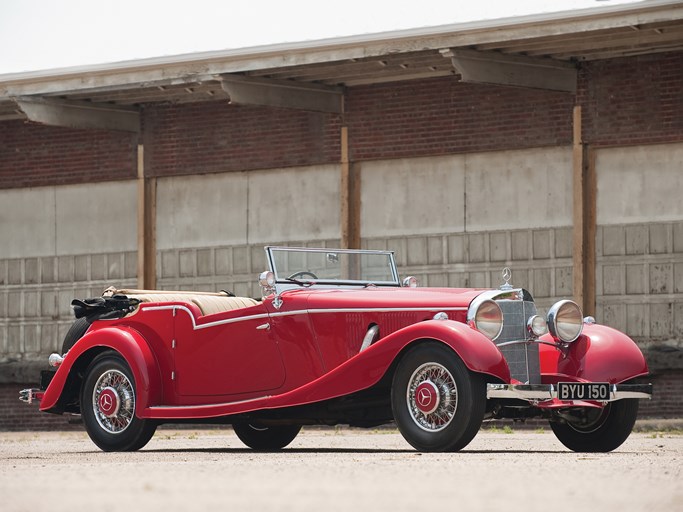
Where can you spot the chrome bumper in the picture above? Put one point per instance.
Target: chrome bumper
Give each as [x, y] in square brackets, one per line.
[541, 392]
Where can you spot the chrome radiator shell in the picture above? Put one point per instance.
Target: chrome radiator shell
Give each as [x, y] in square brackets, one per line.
[521, 354]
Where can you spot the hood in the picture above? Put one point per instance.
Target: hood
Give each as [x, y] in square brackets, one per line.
[384, 297]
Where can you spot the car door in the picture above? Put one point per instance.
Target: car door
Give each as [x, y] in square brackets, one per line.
[231, 354]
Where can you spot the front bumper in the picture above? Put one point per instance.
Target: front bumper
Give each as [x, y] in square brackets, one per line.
[545, 392]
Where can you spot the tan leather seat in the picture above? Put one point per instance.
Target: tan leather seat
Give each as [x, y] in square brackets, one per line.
[207, 302]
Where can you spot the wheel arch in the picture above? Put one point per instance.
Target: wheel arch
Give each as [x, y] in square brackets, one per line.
[129, 344]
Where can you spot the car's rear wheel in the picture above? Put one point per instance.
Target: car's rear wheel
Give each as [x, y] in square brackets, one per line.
[598, 430]
[264, 438]
[438, 404]
[108, 398]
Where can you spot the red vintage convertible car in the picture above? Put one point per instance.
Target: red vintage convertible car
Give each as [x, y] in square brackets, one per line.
[337, 338]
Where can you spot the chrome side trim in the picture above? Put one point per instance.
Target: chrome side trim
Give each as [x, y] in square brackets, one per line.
[207, 406]
[196, 327]
[536, 392]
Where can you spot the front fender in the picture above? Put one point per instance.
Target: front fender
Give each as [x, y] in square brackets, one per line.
[601, 354]
[130, 344]
[366, 368]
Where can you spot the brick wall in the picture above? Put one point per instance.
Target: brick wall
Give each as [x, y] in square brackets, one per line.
[217, 137]
[635, 100]
[33, 155]
[16, 415]
[626, 101]
[442, 116]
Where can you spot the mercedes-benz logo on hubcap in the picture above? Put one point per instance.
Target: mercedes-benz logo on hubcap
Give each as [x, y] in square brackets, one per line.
[106, 402]
[424, 397]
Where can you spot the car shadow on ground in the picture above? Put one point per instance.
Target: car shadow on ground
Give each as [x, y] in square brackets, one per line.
[344, 450]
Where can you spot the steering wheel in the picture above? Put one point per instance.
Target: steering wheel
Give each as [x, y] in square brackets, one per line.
[303, 273]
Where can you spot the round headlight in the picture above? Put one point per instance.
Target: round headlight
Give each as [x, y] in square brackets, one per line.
[537, 325]
[565, 321]
[487, 318]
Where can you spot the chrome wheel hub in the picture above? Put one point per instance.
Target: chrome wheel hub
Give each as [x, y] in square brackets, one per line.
[432, 397]
[113, 401]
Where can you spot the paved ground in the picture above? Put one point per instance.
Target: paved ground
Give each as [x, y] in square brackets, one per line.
[348, 470]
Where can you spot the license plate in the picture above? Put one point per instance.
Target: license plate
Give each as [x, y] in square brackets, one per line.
[583, 391]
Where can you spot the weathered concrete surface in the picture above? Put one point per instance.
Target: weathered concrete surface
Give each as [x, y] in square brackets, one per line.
[640, 184]
[72, 219]
[338, 470]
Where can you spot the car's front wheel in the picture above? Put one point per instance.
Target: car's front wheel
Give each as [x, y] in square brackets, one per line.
[598, 430]
[264, 438]
[108, 398]
[438, 404]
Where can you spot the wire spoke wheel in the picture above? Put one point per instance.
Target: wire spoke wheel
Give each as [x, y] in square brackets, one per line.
[432, 397]
[438, 404]
[113, 401]
[108, 401]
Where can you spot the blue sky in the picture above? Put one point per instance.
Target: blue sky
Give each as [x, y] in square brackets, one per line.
[47, 34]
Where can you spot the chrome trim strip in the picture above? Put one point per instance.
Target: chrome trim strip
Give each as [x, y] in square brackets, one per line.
[207, 325]
[207, 406]
[536, 392]
[196, 327]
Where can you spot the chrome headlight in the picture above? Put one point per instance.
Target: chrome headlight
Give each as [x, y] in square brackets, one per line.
[537, 325]
[565, 321]
[486, 317]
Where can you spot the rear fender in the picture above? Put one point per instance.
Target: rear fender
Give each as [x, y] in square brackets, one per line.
[600, 354]
[129, 344]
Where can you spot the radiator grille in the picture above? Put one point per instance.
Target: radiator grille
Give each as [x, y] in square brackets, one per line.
[522, 358]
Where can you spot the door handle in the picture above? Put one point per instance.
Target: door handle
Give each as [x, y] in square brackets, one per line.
[265, 326]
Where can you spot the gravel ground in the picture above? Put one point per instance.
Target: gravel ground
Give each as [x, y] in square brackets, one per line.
[338, 470]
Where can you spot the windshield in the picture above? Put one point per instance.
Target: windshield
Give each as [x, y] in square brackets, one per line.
[332, 266]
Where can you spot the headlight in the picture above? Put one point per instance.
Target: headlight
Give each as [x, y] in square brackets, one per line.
[537, 325]
[486, 317]
[565, 321]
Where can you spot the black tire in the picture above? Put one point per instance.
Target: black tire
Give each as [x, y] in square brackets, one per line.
[75, 333]
[602, 430]
[452, 404]
[108, 398]
[266, 439]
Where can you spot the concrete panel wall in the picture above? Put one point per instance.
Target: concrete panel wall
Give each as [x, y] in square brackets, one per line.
[27, 222]
[640, 184]
[240, 208]
[407, 196]
[640, 242]
[519, 189]
[529, 188]
[73, 219]
[299, 203]
[195, 211]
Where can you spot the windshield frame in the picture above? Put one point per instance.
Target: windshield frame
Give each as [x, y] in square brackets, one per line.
[282, 282]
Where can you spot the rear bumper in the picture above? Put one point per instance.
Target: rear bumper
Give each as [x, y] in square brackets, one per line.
[544, 392]
[31, 395]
